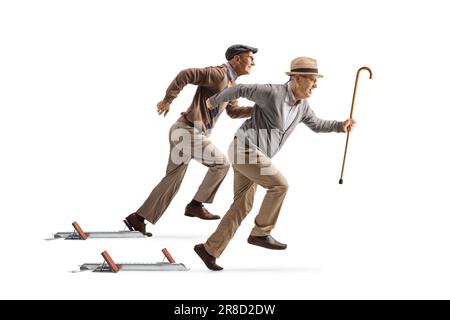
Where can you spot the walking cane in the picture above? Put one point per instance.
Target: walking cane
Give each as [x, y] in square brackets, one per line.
[341, 181]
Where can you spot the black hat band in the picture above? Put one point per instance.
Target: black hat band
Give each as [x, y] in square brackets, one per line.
[310, 70]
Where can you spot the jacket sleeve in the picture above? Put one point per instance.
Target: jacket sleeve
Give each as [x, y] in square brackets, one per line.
[319, 125]
[258, 93]
[235, 111]
[196, 76]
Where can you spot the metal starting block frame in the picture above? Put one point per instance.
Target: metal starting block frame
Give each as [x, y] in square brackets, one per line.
[109, 265]
[79, 234]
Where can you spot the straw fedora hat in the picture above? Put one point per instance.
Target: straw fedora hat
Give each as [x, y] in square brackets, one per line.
[304, 65]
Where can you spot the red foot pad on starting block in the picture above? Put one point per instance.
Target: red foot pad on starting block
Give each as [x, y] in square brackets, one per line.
[79, 230]
[110, 262]
[167, 255]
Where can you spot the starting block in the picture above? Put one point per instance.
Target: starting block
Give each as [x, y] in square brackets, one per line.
[109, 265]
[79, 234]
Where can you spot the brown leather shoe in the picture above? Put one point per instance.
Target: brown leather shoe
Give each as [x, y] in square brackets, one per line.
[208, 259]
[200, 212]
[135, 222]
[266, 242]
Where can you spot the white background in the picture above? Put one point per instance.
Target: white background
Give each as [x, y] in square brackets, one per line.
[81, 140]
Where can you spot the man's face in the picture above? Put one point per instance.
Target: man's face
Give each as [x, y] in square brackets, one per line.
[244, 63]
[303, 86]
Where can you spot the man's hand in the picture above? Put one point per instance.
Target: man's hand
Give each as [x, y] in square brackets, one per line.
[163, 106]
[349, 124]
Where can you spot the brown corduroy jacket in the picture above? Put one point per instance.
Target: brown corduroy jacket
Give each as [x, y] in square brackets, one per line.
[210, 80]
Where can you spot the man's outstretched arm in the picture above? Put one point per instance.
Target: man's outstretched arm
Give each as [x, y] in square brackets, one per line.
[319, 125]
[195, 76]
[258, 93]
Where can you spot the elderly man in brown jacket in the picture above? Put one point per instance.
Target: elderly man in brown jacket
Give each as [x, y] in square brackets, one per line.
[194, 127]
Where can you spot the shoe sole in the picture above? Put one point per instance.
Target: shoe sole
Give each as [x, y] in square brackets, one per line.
[128, 225]
[266, 247]
[194, 216]
[148, 234]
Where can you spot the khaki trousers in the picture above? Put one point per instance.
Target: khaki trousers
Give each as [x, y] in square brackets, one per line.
[257, 170]
[186, 143]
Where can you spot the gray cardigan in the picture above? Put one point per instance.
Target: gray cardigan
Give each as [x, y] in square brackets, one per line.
[265, 127]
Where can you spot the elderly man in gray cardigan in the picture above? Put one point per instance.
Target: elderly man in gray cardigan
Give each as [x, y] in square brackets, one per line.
[278, 109]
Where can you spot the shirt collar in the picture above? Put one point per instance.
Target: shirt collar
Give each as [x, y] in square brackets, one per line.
[291, 98]
[232, 75]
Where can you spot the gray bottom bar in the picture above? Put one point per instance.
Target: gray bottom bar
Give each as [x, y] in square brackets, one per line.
[101, 234]
[158, 266]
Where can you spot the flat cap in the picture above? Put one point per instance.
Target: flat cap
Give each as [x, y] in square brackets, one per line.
[237, 49]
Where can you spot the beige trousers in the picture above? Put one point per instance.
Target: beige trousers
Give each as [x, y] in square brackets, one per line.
[186, 143]
[257, 170]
